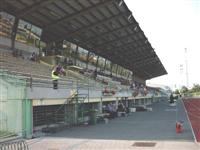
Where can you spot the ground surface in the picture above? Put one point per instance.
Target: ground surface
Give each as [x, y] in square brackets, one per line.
[157, 126]
[192, 106]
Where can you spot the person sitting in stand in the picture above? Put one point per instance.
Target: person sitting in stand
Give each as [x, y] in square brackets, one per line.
[58, 70]
[121, 109]
[95, 74]
[33, 56]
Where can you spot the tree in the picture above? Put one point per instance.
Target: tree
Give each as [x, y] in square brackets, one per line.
[195, 88]
[176, 92]
[184, 89]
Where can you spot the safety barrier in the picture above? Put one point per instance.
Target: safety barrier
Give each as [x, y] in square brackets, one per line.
[14, 145]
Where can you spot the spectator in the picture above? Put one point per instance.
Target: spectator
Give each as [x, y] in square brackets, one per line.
[95, 74]
[121, 107]
[58, 70]
[70, 62]
[33, 56]
[111, 110]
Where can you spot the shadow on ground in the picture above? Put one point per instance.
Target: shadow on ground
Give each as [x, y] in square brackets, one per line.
[156, 125]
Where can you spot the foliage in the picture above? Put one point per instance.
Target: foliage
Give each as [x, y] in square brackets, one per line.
[195, 88]
[184, 89]
[176, 92]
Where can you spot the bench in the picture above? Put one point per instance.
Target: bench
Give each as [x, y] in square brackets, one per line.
[121, 114]
[103, 117]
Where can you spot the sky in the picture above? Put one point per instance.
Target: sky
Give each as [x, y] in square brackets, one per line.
[172, 26]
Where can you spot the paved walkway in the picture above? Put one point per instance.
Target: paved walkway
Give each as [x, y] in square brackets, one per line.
[121, 133]
[49, 143]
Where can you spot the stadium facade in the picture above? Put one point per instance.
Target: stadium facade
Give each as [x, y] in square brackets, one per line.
[105, 53]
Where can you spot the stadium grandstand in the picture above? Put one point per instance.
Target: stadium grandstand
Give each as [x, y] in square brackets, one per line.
[106, 56]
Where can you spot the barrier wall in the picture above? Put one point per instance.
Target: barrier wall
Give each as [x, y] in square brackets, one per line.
[11, 110]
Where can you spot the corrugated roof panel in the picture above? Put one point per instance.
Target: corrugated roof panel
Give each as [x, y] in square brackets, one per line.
[85, 3]
[64, 6]
[102, 26]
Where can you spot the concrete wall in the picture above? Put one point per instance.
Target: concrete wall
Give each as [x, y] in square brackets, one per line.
[49, 93]
[11, 107]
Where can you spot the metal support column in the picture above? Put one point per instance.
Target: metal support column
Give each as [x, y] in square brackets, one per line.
[128, 75]
[104, 68]
[121, 73]
[117, 70]
[14, 33]
[97, 63]
[87, 60]
[111, 66]
[76, 56]
[76, 106]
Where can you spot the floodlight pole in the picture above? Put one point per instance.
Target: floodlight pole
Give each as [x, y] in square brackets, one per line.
[186, 68]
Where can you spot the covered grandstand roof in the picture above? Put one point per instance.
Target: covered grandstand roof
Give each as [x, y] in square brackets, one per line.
[105, 27]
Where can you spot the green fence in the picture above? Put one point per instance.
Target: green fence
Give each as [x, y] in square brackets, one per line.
[12, 96]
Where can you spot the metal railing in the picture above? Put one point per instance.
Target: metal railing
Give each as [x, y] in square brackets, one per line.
[14, 145]
[46, 81]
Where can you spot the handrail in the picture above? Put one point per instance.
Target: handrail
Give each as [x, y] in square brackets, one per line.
[41, 80]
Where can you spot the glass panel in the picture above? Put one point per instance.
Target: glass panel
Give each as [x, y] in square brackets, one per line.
[82, 54]
[6, 23]
[28, 33]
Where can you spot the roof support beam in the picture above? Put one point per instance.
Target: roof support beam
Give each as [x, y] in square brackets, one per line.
[82, 12]
[145, 61]
[107, 33]
[34, 7]
[117, 39]
[129, 44]
[85, 28]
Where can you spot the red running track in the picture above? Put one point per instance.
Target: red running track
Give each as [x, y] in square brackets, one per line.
[192, 106]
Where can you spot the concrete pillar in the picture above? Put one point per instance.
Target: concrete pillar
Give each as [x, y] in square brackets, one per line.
[76, 111]
[27, 113]
[117, 102]
[126, 101]
[65, 114]
[100, 106]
